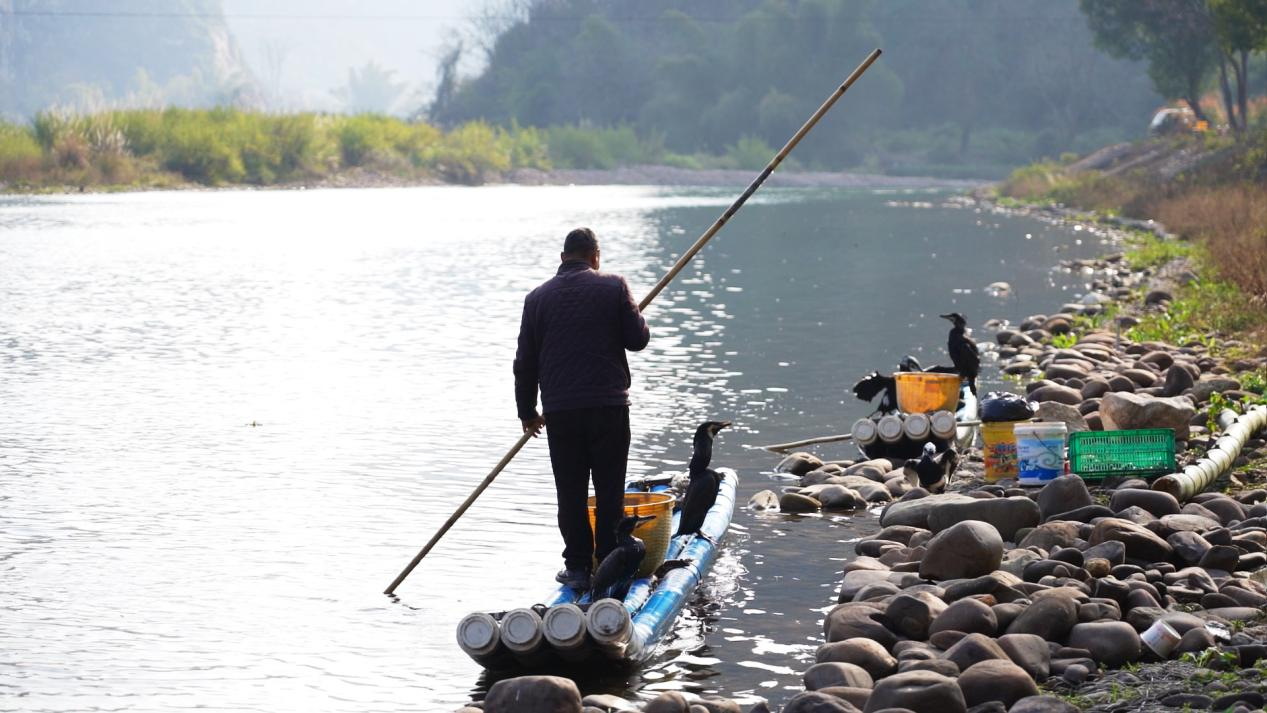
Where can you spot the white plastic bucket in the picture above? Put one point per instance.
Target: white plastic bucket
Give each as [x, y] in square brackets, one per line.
[1040, 451]
[1161, 638]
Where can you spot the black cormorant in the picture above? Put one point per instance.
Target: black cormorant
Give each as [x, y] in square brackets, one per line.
[963, 351]
[933, 470]
[705, 482]
[875, 383]
[618, 569]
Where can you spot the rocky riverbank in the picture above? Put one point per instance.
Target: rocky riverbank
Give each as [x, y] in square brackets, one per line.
[994, 597]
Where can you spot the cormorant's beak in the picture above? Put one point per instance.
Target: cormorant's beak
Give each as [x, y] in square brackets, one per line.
[643, 518]
[950, 317]
[720, 425]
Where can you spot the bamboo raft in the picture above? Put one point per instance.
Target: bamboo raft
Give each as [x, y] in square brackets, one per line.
[568, 629]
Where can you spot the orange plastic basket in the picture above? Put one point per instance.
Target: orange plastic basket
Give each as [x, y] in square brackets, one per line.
[921, 392]
[655, 534]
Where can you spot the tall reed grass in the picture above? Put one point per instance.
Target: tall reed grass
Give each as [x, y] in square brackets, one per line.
[230, 146]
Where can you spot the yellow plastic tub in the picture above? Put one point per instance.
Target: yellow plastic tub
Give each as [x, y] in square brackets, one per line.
[999, 446]
[655, 534]
[920, 392]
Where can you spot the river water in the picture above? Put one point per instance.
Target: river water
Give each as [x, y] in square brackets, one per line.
[228, 419]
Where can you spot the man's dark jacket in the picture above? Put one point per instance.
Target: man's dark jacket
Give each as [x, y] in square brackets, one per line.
[572, 341]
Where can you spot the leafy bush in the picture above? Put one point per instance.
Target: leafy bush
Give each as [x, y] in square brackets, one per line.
[470, 154]
[750, 153]
[20, 153]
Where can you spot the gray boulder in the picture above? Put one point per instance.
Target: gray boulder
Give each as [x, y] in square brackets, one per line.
[1178, 380]
[1056, 411]
[1125, 411]
[857, 619]
[1028, 651]
[965, 549]
[868, 654]
[796, 503]
[1058, 393]
[911, 613]
[799, 463]
[817, 702]
[915, 510]
[1050, 618]
[1007, 515]
[973, 649]
[1065, 493]
[668, 702]
[917, 691]
[1141, 543]
[1207, 386]
[533, 694]
[1001, 681]
[971, 616]
[1157, 502]
[1111, 643]
[836, 673]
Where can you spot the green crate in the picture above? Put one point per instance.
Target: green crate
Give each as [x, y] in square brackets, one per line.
[1146, 452]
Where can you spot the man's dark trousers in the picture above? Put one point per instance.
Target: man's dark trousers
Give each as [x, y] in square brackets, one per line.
[584, 441]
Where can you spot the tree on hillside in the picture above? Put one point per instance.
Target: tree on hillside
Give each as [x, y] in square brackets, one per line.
[446, 85]
[1241, 26]
[372, 89]
[1175, 37]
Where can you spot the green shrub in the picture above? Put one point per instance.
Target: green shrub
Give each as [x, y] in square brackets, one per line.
[198, 146]
[470, 154]
[20, 153]
[526, 147]
[750, 153]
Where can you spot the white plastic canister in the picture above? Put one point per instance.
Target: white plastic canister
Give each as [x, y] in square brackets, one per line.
[1040, 451]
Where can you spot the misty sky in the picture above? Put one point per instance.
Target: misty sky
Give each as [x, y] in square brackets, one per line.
[321, 39]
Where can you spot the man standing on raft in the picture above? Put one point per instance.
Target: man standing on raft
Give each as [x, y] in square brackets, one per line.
[572, 341]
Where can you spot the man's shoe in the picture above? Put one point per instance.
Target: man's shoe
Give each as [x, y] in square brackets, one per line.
[577, 579]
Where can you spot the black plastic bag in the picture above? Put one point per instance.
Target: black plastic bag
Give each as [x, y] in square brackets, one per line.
[1003, 406]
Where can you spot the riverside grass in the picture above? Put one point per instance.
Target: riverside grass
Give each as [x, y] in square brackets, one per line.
[215, 147]
[1219, 209]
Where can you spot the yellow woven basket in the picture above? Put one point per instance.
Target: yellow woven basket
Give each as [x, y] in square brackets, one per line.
[655, 534]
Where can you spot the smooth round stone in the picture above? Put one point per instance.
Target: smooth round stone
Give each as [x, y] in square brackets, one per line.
[966, 549]
[534, 694]
[668, 702]
[868, 654]
[836, 673]
[818, 702]
[1001, 681]
[1050, 618]
[1028, 651]
[967, 615]
[1111, 643]
[917, 691]
[910, 614]
[973, 649]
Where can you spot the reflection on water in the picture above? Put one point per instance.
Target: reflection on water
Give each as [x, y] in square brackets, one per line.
[231, 417]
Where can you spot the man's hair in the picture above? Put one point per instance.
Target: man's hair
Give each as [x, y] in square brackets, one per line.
[580, 243]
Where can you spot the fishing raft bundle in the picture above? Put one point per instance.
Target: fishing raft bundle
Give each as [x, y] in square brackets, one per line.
[569, 629]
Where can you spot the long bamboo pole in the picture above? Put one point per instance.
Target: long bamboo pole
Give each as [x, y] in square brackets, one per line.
[655, 291]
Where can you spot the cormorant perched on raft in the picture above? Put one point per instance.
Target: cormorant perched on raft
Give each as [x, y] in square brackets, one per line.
[963, 351]
[932, 471]
[705, 482]
[618, 569]
[875, 383]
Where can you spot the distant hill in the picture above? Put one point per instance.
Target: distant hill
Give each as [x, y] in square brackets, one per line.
[984, 82]
[93, 55]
